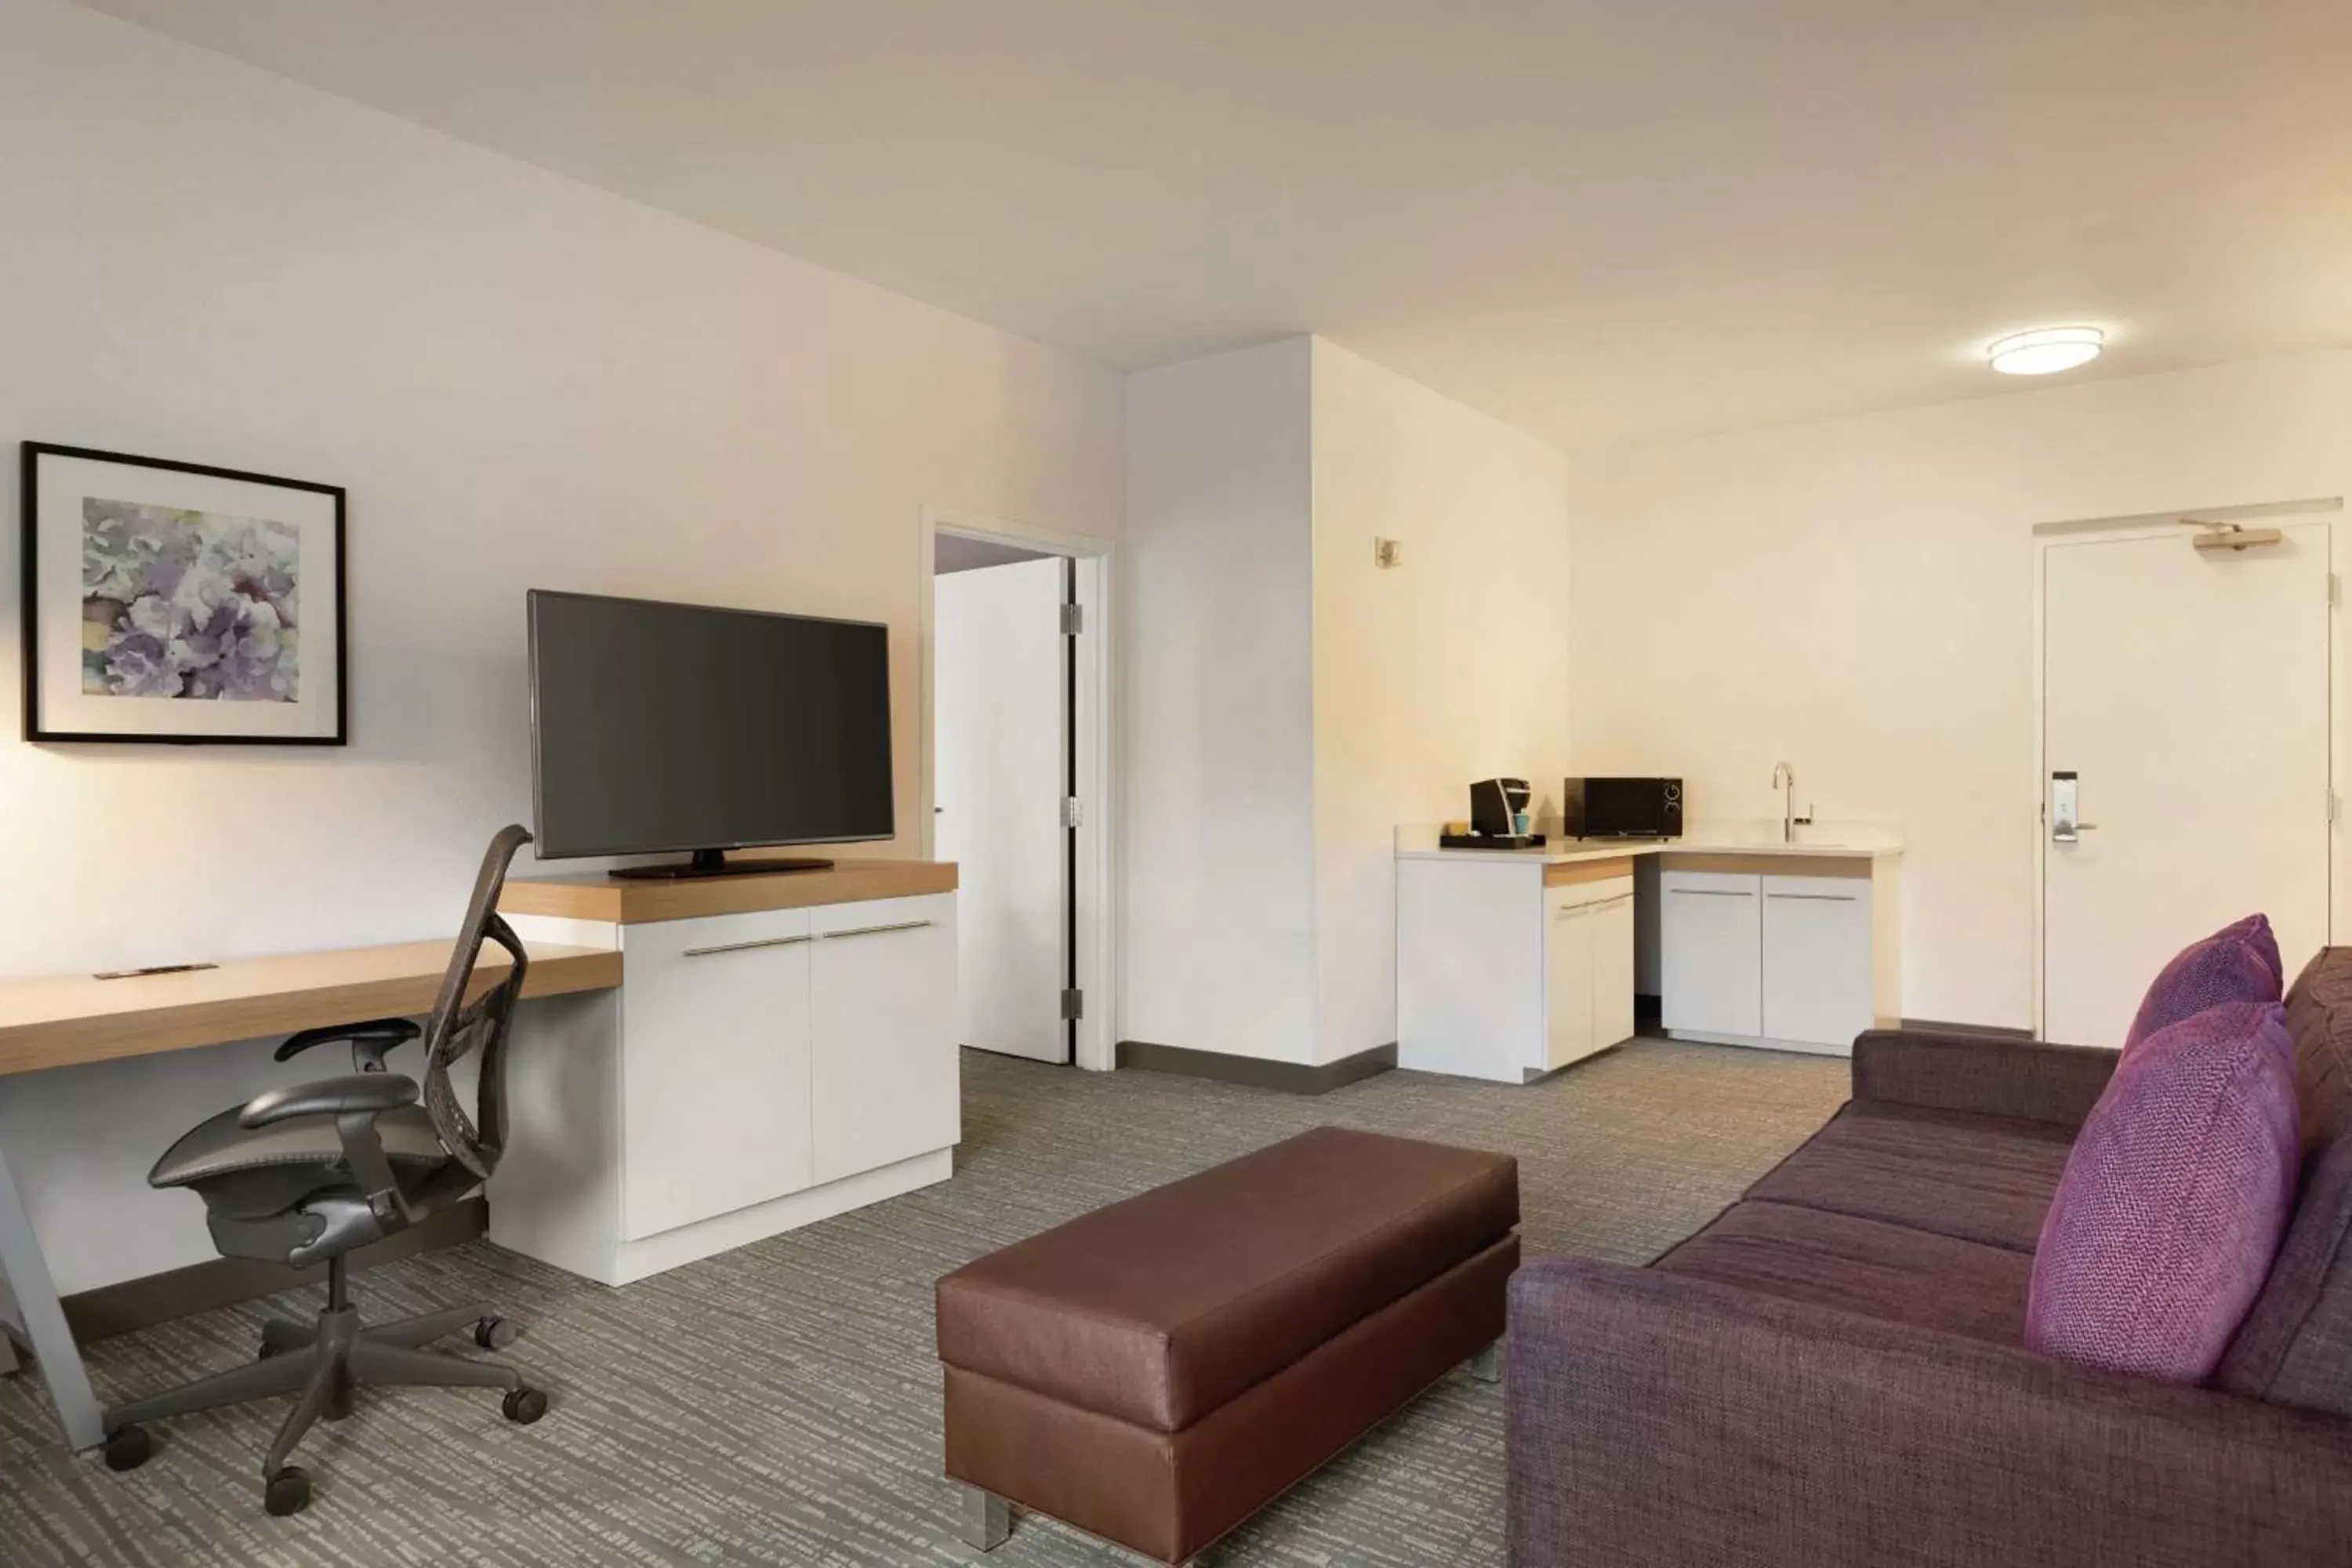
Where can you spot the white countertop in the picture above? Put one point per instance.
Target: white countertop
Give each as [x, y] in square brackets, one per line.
[1860, 840]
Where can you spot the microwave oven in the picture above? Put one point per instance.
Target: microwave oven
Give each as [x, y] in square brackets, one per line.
[1622, 808]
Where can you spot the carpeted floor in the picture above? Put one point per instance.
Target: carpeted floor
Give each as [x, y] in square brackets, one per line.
[781, 1403]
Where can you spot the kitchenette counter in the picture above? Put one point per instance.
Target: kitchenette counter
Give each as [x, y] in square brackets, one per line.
[1513, 963]
[1857, 840]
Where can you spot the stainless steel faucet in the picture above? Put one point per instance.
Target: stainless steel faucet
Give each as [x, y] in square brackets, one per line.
[1784, 778]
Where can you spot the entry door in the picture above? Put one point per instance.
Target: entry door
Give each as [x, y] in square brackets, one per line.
[1000, 749]
[2188, 692]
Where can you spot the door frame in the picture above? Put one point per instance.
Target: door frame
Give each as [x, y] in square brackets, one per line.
[2168, 525]
[1095, 718]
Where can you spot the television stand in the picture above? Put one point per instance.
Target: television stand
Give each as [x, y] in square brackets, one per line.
[714, 863]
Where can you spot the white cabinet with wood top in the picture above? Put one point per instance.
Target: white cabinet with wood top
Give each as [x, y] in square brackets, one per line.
[1789, 951]
[1513, 963]
[1510, 970]
[783, 1049]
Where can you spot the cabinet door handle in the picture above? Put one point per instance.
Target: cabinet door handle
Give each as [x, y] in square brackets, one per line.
[1712, 892]
[747, 946]
[1606, 903]
[1816, 897]
[875, 931]
[1565, 910]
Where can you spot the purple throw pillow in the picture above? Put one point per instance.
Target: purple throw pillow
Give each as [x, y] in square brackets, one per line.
[2173, 1201]
[2239, 963]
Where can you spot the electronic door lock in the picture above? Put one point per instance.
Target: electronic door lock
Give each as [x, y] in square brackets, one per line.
[2066, 826]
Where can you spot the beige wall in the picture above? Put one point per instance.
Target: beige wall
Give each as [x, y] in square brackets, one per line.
[522, 381]
[1449, 668]
[1856, 596]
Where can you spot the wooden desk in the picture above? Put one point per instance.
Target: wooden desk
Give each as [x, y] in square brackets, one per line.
[75, 1019]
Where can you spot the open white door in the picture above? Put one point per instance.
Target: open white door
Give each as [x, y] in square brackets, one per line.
[1001, 755]
[2187, 692]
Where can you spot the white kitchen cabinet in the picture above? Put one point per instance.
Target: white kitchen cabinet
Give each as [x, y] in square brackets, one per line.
[729, 997]
[884, 1083]
[1612, 968]
[1793, 951]
[1511, 964]
[1511, 968]
[1588, 968]
[1568, 984]
[1710, 941]
[1817, 959]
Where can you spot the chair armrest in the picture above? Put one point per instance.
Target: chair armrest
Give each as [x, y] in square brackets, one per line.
[359, 1094]
[1988, 1074]
[1682, 1423]
[370, 1041]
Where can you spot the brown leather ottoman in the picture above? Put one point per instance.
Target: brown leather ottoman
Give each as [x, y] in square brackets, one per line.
[1156, 1372]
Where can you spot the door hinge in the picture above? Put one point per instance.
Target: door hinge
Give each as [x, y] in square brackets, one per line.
[1074, 812]
[1073, 1005]
[1074, 619]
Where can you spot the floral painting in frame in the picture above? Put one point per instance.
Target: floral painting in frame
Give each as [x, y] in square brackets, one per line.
[180, 603]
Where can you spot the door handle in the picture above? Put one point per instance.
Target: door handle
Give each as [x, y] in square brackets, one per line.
[1816, 897]
[746, 946]
[1712, 892]
[875, 931]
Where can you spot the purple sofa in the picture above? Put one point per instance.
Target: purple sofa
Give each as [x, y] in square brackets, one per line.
[1832, 1373]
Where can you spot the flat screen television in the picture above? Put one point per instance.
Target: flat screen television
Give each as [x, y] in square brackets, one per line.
[657, 728]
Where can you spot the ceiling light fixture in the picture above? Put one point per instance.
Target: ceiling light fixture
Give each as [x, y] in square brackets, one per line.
[2046, 350]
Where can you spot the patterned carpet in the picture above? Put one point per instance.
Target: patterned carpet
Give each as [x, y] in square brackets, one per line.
[781, 1403]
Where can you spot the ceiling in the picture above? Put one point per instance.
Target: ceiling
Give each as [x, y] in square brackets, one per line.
[1600, 221]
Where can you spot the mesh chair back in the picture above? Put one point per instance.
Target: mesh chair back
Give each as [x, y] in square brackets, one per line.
[458, 1026]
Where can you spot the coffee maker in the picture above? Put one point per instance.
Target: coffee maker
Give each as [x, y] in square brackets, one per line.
[1498, 817]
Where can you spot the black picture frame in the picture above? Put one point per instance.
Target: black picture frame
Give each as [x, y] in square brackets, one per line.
[36, 731]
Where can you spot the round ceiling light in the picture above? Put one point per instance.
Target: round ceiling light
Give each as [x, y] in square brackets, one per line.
[2047, 350]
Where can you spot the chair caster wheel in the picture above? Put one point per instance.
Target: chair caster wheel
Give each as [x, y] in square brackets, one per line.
[127, 1448]
[525, 1405]
[496, 1333]
[288, 1491]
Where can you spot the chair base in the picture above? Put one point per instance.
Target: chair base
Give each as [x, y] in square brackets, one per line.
[324, 1365]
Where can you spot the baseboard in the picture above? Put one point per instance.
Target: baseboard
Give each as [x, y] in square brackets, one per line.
[1255, 1072]
[646, 1256]
[1937, 1026]
[182, 1292]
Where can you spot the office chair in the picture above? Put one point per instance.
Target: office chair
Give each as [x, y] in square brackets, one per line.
[311, 1172]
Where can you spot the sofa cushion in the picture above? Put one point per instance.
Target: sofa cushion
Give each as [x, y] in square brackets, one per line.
[1985, 1179]
[2295, 1345]
[2239, 963]
[1160, 1309]
[1890, 1272]
[2163, 1228]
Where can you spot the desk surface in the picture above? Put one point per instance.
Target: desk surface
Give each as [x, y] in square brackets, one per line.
[74, 1018]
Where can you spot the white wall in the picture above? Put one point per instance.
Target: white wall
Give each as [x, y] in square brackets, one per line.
[1217, 939]
[523, 382]
[1856, 596]
[1449, 668]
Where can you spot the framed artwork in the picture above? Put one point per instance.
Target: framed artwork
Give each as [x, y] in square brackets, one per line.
[179, 603]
